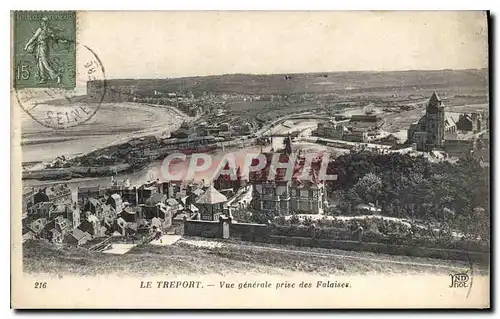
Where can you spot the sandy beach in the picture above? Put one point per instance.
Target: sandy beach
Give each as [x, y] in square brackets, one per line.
[111, 124]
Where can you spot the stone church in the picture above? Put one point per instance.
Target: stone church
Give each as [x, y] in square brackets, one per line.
[451, 132]
[429, 132]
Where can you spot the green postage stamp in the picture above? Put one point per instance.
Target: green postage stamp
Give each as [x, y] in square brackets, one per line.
[44, 49]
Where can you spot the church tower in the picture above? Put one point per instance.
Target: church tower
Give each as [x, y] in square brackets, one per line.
[435, 122]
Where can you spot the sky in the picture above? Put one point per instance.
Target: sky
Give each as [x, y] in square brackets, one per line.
[159, 44]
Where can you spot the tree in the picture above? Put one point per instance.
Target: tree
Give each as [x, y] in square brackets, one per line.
[481, 225]
[348, 199]
[369, 188]
[294, 220]
[262, 217]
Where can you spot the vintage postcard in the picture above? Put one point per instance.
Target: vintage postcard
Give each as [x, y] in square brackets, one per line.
[245, 160]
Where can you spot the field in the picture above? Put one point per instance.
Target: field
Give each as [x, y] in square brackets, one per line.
[371, 83]
[197, 256]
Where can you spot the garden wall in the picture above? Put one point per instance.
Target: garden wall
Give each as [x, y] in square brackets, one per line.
[249, 232]
[201, 228]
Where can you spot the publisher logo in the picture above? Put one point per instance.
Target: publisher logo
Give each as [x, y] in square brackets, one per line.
[459, 280]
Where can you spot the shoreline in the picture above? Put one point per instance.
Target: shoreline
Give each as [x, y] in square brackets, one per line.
[111, 128]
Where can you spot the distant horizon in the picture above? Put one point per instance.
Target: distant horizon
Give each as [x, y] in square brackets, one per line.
[296, 73]
[188, 44]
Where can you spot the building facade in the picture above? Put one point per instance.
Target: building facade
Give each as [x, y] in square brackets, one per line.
[211, 204]
[285, 196]
[429, 132]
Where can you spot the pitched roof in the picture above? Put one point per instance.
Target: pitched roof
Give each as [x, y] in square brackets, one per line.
[155, 199]
[198, 191]
[94, 201]
[128, 210]
[116, 196]
[172, 202]
[449, 121]
[434, 98]
[211, 196]
[92, 218]
[43, 205]
[78, 234]
[38, 225]
[63, 222]
[434, 102]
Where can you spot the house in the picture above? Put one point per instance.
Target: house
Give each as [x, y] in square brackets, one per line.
[390, 139]
[156, 222]
[74, 216]
[59, 193]
[93, 205]
[128, 214]
[61, 209]
[460, 144]
[193, 191]
[197, 193]
[152, 205]
[41, 196]
[145, 191]
[179, 189]
[39, 228]
[88, 192]
[124, 228]
[231, 180]
[211, 204]
[450, 125]
[40, 210]
[308, 197]
[331, 129]
[471, 122]
[115, 200]
[92, 225]
[356, 135]
[77, 237]
[62, 227]
[366, 118]
[28, 198]
[283, 195]
[106, 211]
[155, 199]
[173, 205]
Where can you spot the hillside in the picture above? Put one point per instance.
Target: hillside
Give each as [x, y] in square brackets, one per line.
[197, 256]
[314, 82]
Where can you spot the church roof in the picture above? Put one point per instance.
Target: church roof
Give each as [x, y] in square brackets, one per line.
[434, 98]
[211, 196]
[434, 102]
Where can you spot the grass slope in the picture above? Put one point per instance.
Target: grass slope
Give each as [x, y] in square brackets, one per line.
[187, 257]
